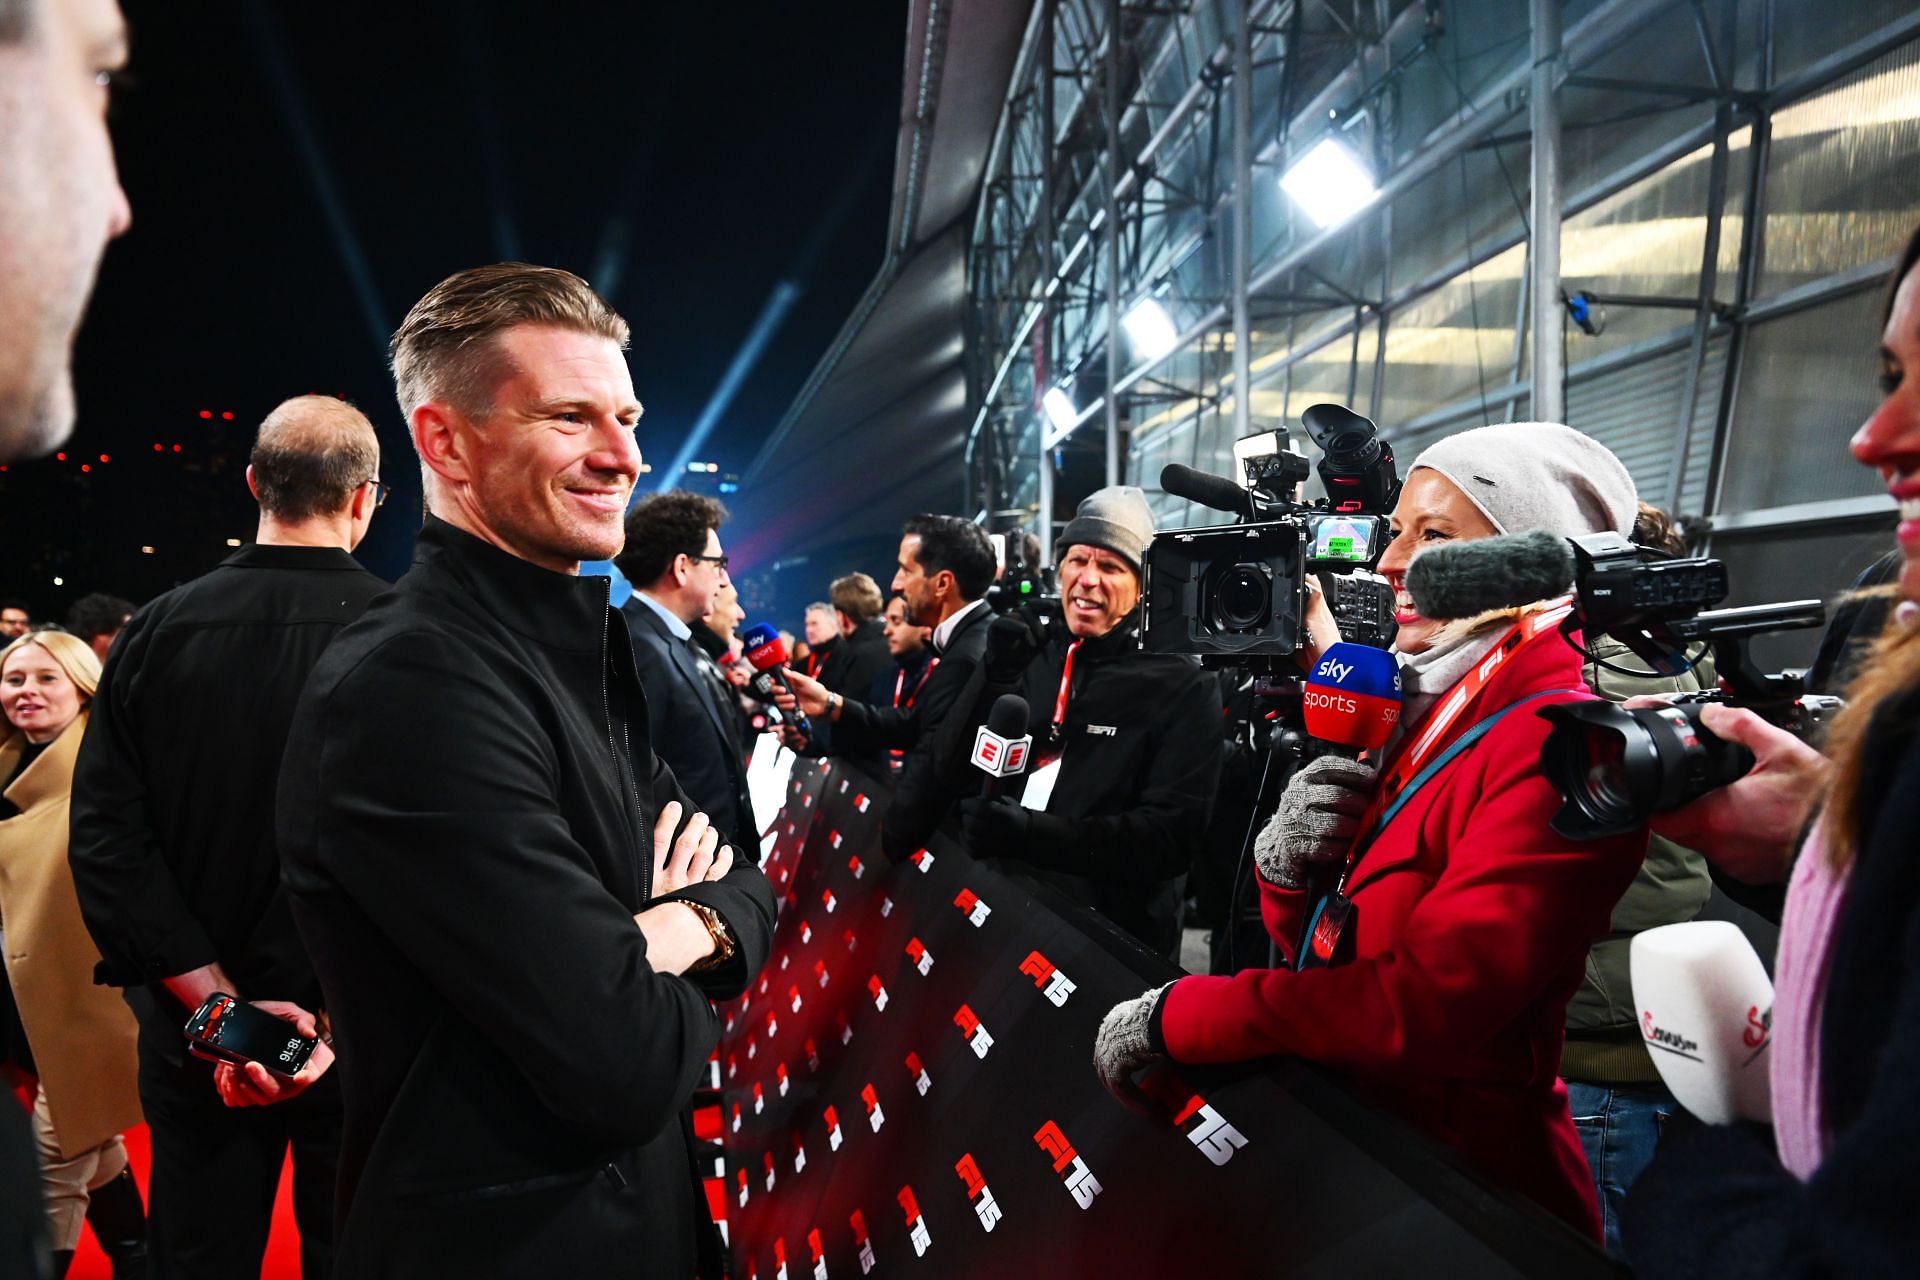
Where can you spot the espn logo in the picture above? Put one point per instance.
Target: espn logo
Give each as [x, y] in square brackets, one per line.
[921, 957]
[977, 1037]
[985, 1207]
[1067, 1163]
[1053, 984]
[975, 910]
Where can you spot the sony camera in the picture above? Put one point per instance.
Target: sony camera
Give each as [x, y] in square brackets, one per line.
[1615, 767]
[1237, 593]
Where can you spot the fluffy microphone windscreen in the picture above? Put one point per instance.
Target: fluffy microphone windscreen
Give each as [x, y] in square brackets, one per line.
[1462, 579]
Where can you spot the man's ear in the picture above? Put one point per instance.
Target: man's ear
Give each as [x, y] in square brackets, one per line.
[252, 487]
[442, 437]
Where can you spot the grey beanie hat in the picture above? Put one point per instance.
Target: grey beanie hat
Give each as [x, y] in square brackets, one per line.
[1116, 518]
[1538, 475]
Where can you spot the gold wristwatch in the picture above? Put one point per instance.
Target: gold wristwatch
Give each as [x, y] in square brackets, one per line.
[723, 945]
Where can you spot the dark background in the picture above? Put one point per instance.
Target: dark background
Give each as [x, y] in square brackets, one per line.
[300, 174]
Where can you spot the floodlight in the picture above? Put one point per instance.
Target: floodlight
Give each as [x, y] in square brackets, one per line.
[1329, 183]
[1150, 331]
[1060, 410]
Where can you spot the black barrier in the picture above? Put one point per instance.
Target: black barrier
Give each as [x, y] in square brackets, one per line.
[907, 1089]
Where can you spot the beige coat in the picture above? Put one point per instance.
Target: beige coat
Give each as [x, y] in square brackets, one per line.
[82, 1035]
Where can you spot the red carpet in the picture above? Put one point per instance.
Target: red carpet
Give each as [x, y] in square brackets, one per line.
[283, 1246]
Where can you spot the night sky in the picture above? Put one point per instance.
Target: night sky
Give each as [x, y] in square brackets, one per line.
[301, 174]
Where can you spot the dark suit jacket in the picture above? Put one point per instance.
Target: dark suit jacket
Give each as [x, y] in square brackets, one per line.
[857, 661]
[922, 797]
[465, 817]
[689, 730]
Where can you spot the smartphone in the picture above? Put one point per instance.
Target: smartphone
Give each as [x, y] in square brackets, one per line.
[225, 1029]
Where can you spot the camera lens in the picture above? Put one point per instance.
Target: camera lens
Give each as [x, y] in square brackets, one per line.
[1243, 598]
[1615, 768]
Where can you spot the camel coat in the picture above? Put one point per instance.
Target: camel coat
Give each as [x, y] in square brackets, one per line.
[82, 1035]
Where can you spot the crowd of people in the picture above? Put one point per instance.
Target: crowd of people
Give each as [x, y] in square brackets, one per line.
[488, 844]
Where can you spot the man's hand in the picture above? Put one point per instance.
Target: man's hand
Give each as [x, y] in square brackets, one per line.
[193, 987]
[254, 1085]
[677, 939]
[1013, 640]
[697, 855]
[1316, 821]
[1322, 631]
[995, 828]
[808, 692]
[1748, 827]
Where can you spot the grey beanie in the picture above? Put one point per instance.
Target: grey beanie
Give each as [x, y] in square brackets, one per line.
[1116, 518]
[1538, 475]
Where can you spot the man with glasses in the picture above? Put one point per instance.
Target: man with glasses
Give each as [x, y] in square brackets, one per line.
[673, 558]
[173, 846]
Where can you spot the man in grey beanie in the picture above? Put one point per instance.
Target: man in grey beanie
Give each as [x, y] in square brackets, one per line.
[1126, 743]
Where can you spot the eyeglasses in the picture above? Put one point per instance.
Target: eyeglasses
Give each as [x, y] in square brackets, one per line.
[719, 560]
[380, 491]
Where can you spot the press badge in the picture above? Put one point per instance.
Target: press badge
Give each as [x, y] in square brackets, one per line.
[1040, 785]
[1329, 939]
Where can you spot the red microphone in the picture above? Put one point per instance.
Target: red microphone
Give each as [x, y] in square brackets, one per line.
[766, 651]
[1353, 696]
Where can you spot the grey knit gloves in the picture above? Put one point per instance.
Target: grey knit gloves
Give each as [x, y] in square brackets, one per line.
[1124, 1044]
[1318, 817]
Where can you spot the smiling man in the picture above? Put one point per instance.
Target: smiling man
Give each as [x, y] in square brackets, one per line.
[1126, 743]
[517, 916]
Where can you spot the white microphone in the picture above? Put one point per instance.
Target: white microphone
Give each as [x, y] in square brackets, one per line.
[1706, 1017]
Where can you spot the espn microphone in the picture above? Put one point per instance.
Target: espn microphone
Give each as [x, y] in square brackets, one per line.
[1353, 696]
[1706, 1016]
[766, 651]
[1000, 747]
[1463, 579]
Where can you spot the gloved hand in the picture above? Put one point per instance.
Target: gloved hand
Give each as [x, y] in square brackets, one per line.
[1014, 639]
[1318, 817]
[1124, 1044]
[1003, 828]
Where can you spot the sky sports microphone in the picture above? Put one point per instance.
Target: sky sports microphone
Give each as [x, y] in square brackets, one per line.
[1353, 696]
[1001, 746]
[1706, 1017]
[766, 651]
[1465, 579]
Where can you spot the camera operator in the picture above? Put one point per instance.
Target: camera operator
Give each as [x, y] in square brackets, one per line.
[1438, 970]
[946, 565]
[1832, 1193]
[1135, 735]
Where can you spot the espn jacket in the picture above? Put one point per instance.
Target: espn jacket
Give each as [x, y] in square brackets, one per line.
[1471, 925]
[465, 820]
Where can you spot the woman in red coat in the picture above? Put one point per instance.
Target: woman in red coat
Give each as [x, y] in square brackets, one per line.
[1444, 968]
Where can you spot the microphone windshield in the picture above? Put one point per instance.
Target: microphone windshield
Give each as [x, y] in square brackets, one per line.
[1009, 716]
[764, 648]
[1465, 578]
[1353, 696]
[1706, 1016]
[1204, 488]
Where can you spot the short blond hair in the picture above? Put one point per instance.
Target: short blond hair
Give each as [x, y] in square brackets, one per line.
[69, 652]
[858, 597]
[445, 349]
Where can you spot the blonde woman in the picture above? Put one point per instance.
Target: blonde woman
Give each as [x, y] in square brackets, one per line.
[81, 1036]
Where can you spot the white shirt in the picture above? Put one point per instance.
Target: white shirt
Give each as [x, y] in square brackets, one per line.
[944, 632]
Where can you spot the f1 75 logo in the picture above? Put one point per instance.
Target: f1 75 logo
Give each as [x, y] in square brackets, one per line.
[985, 1207]
[1067, 1163]
[916, 1223]
[921, 957]
[1055, 985]
[793, 998]
[923, 860]
[759, 1102]
[827, 899]
[1216, 1139]
[799, 1152]
[970, 1026]
[915, 1068]
[875, 1116]
[859, 1225]
[856, 866]
[879, 992]
[818, 1254]
[834, 1135]
[767, 1161]
[975, 910]
[780, 1074]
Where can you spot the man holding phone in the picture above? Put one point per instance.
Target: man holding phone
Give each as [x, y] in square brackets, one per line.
[517, 916]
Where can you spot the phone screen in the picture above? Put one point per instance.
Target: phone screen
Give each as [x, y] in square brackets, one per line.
[228, 1030]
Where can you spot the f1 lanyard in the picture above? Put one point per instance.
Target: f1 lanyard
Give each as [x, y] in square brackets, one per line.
[900, 681]
[1433, 727]
[1066, 687]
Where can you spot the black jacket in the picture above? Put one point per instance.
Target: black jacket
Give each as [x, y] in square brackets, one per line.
[465, 822]
[1717, 1201]
[857, 660]
[1140, 755]
[694, 733]
[924, 792]
[172, 840]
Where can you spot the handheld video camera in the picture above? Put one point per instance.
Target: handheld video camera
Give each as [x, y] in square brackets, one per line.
[1026, 578]
[1236, 594]
[1615, 767]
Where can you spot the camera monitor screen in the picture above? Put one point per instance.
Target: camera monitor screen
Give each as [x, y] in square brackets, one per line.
[1342, 538]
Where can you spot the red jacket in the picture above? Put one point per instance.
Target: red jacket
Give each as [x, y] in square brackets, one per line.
[1472, 921]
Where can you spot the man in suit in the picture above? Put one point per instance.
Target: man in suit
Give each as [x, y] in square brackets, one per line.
[678, 571]
[519, 919]
[946, 565]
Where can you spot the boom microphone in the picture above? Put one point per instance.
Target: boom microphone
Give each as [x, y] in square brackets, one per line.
[766, 651]
[1463, 579]
[1209, 490]
[1000, 747]
[1706, 1016]
[1353, 696]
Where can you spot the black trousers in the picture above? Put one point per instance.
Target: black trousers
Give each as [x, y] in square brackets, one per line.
[216, 1170]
